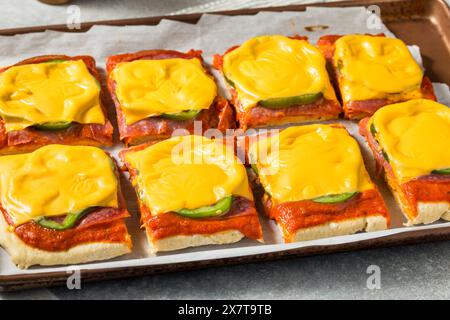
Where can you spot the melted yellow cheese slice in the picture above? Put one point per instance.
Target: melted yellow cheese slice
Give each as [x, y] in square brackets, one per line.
[147, 88]
[373, 67]
[415, 135]
[275, 66]
[187, 172]
[55, 180]
[307, 162]
[49, 92]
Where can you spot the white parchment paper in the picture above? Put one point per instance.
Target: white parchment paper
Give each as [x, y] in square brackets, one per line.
[212, 34]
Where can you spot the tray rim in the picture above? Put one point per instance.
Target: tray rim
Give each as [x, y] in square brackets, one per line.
[47, 279]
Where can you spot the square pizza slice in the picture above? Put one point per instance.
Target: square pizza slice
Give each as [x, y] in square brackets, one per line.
[411, 145]
[312, 181]
[53, 99]
[275, 80]
[61, 205]
[192, 191]
[372, 71]
[157, 92]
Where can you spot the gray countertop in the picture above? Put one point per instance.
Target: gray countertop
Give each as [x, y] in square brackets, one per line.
[416, 271]
[25, 13]
[409, 272]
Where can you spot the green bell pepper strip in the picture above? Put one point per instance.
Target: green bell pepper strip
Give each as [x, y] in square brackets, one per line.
[373, 131]
[221, 207]
[227, 80]
[278, 103]
[60, 125]
[180, 116]
[441, 171]
[340, 66]
[69, 221]
[53, 126]
[386, 157]
[335, 198]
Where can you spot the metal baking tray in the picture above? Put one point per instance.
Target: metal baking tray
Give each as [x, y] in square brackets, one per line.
[425, 23]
